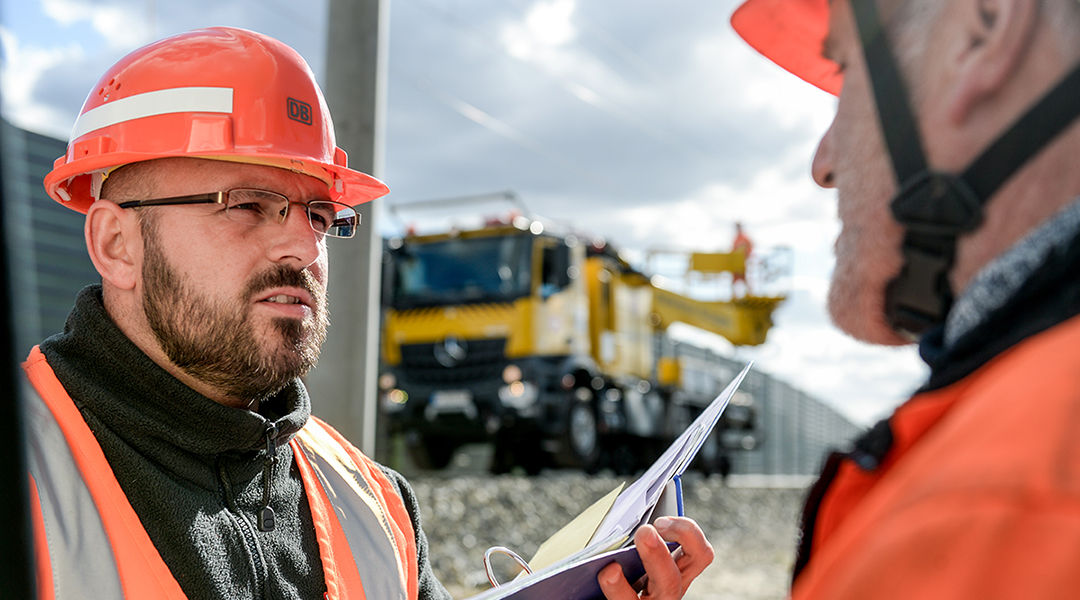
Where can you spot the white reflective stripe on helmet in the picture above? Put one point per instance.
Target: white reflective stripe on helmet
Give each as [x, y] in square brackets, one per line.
[362, 518]
[80, 553]
[160, 102]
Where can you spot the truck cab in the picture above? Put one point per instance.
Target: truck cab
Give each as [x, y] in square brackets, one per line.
[479, 329]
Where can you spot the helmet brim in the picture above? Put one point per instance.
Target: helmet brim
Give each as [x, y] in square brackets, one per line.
[792, 34]
[69, 184]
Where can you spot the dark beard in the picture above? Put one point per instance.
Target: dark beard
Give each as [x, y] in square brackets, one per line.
[216, 344]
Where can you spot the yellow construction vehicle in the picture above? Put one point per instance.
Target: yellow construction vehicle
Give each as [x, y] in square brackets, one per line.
[549, 345]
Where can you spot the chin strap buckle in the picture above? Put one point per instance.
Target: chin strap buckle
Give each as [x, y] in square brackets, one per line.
[937, 204]
[919, 297]
[934, 208]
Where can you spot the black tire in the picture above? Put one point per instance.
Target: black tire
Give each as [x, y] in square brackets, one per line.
[580, 443]
[513, 450]
[430, 452]
[624, 461]
[725, 467]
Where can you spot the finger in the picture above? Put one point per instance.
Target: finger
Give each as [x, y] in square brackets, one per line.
[695, 552]
[668, 575]
[665, 576]
[614, 584]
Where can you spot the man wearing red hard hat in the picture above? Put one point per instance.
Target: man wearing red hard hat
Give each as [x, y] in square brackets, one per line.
[953, 153]
[173, 452]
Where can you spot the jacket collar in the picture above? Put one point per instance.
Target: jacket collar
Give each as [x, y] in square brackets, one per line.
[1032, 287]
[108, 375]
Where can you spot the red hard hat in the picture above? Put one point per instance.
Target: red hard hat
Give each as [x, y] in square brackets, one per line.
[219, 93]
[792, 34]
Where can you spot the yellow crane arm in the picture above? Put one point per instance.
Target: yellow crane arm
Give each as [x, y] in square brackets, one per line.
[743, 321]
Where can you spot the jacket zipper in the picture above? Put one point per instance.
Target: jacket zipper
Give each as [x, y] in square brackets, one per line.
[264, 516]
[247, 534]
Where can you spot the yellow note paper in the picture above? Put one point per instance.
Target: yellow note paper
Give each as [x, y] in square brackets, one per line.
[577, 533]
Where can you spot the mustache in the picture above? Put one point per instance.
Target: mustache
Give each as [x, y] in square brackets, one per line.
[282, 276]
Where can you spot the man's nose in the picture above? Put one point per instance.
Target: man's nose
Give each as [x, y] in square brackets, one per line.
[296, 240]
[822, 167]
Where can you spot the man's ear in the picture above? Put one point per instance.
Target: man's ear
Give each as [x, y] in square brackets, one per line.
[998, 34]
[114, 241]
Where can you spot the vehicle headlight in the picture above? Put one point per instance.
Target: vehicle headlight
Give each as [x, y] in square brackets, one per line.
[395, 399]
[519, 394]
[511, 374]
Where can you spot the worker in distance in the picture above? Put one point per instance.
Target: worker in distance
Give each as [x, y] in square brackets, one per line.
[173, 453]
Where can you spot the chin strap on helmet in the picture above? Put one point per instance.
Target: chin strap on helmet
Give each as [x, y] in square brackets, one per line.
[934, 207]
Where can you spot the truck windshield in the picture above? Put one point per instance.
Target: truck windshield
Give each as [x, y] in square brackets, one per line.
[487, 269]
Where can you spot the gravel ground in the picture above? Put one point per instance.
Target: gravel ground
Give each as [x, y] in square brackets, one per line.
[751, 528]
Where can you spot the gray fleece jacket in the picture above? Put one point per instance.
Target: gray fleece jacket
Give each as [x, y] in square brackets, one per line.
[193, 469]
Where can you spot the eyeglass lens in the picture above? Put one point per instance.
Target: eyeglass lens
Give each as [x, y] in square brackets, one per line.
[258, 207]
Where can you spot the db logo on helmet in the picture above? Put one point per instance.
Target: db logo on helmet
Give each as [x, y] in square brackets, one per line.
[300, 111]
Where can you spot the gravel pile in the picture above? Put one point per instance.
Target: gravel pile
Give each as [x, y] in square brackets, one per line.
[752, 529]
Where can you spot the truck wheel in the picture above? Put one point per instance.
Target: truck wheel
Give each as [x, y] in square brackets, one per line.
[514, 449]
[623, 460]
[580, 446]
[725, 467]
[430, 452]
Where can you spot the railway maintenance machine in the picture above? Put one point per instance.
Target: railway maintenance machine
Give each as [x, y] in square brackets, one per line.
[555, 349]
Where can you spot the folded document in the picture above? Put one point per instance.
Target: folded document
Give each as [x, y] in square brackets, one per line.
[566, 566]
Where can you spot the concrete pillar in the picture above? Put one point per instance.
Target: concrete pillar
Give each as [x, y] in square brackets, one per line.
[343, 386]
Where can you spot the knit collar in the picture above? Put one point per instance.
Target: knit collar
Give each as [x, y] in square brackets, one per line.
[999, 280]
[1031, 287]
[109, 376]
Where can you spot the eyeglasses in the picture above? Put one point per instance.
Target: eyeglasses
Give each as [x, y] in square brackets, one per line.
[260, 207]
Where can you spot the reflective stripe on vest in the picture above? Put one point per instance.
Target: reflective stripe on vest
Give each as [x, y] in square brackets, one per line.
[64, 513]
[91, 544]
[344, 476]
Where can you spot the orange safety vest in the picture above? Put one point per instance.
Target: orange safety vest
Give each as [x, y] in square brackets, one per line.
[978, 497]
[89, 543]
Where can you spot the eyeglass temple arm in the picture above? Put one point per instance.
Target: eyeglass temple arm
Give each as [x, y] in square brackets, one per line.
[211, 198]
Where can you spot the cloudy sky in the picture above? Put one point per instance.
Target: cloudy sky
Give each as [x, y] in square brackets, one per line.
[648, 123]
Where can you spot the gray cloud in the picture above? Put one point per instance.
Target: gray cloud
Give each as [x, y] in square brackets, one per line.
[638, 145]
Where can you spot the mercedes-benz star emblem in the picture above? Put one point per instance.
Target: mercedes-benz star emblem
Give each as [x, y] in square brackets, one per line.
[451, 351]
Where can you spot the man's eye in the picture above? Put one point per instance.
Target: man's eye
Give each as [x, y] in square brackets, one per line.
[245, 206]
[322, 214]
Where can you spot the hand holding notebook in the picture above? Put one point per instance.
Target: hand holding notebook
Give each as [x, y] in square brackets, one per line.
[567, 565]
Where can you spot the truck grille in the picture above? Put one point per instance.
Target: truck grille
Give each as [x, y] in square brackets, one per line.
[484, 360]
